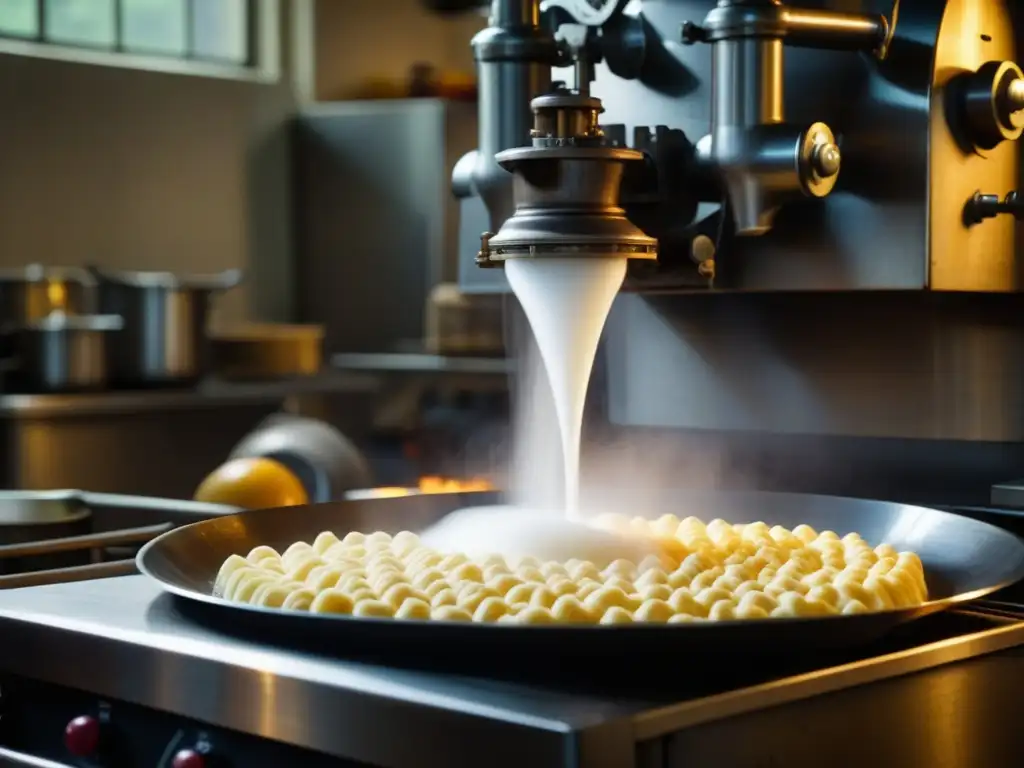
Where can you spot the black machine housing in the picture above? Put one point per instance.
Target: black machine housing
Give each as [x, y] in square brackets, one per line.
[867, 338]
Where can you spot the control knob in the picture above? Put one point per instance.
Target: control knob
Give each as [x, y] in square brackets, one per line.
[992, 103]
[82, 736]
[189, 758]
[981, 207]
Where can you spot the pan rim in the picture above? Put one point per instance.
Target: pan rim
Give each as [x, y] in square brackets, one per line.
[894, 616]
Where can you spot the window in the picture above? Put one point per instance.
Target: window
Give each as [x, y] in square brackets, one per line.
[216, 31]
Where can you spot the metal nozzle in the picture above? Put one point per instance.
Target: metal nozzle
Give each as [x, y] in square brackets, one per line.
[566, 189]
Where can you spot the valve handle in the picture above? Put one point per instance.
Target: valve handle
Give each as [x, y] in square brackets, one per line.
[981, 207]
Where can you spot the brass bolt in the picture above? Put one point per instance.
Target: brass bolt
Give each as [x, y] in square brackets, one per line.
[827, 159]
[483, 256]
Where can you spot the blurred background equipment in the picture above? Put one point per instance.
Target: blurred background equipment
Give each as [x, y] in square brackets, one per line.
[461, 324]
[266, 351]
[326, 463]
[377, 230]
[252, 484]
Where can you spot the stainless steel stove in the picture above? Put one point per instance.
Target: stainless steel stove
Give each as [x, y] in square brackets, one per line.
[112, 672]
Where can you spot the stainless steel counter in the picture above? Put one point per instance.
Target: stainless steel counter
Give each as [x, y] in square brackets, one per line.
[123, 639]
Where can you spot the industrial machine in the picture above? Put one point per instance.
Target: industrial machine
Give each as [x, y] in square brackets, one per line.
[818, 202]
[830, 191]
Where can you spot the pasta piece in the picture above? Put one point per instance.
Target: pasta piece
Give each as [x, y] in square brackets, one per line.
[332, 601]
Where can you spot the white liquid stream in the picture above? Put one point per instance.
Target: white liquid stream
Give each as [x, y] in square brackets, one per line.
[567, 303]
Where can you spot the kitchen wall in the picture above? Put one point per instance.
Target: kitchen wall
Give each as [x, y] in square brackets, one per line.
[139, 169]
[132, 168]
[360, 39]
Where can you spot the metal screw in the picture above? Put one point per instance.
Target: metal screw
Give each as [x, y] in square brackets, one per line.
[827, 159]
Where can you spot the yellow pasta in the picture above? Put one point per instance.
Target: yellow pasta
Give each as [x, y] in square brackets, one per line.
[713, 572]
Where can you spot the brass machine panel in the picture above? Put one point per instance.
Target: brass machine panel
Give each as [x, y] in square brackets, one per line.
[979, 256]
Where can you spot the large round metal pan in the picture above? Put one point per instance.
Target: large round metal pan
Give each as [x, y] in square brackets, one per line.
[963, 559]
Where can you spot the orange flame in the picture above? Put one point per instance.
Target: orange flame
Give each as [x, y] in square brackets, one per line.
[433, 484]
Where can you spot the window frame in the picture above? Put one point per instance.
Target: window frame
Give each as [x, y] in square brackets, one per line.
[263, 66]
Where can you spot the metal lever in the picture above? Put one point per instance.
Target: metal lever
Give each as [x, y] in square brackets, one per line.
[981, 207]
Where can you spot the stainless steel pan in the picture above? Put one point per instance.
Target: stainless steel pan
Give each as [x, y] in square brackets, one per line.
[964, 559]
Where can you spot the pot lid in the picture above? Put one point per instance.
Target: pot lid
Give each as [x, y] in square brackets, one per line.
[61, 321]
[168, 280]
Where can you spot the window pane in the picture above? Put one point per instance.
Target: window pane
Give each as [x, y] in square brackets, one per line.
[81, 22]
[220, 30]
[19, 17]
[156, 26]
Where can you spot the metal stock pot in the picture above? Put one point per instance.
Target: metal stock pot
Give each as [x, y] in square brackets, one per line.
[163, 341]
[30, 293]
[63, 353]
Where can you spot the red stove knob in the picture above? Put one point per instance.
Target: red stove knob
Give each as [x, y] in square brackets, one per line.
[188, 758]
[82, 736]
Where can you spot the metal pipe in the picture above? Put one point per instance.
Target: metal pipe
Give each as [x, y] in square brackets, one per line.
[836, 31]
[514, 58]
[515, 13]
[505, 91]
[747, 82]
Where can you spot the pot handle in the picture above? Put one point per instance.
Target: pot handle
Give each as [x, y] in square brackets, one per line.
[224, 281]
[67, 575]
[88, 541]
[199, 509]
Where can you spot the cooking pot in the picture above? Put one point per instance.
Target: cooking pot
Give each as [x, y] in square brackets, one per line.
[163, 341]
[63, 353]
[30, 293]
